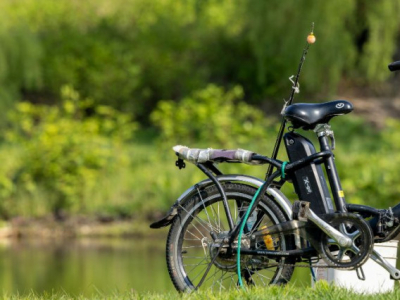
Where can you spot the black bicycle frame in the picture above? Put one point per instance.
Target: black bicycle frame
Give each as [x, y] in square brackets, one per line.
[325, 156]
[333, 176]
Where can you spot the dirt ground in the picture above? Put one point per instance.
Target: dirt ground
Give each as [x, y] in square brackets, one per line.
[376, 110]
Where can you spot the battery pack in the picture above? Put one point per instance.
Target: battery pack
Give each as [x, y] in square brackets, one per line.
[309, 182]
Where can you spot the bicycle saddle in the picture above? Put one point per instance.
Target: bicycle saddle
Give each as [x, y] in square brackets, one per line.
[309, 115]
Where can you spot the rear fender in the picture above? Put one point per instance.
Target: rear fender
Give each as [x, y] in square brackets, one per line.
[276, 195]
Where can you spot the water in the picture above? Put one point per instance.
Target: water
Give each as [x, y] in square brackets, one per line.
[88, 266]
[84, 266]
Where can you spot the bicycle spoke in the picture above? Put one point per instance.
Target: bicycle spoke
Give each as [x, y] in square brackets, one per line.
[219, 217]
[201, 222]
[264, 276]
[260, 277]
[220, 281]
[255, 226]
[188, 239]
[191, 233]
[199, 264]
[204, 206]
[215, 281]
[207, 266]
[192, 257]
[211, 276]
[200, 273]
[232, 281]
[235, 210]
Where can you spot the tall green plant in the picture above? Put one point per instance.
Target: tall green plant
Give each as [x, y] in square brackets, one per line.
[129, 54]
[382, 32]
[67, 149]
[20, 64]
[211, 115]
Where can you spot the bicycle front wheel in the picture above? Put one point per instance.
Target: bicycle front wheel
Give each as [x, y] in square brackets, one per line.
[191, 248]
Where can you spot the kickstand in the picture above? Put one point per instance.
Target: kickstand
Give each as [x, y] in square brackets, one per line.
[360, 273]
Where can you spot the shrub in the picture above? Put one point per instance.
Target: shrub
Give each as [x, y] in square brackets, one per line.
[211, 115]
[67, 149]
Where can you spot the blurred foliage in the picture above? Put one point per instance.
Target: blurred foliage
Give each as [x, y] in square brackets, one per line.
[67, 149]
[129, 54]
[20, 67]
[80, 158]
[366, 158]
[74, 151]
[211, 115]
[370, 167]
[382, 36]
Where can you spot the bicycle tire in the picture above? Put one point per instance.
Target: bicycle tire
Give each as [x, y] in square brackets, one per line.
[188, 257]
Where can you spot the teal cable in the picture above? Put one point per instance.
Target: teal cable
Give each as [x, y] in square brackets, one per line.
[240, 236]
[283, 169]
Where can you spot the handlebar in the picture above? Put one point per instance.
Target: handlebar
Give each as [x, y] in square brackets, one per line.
[394, 66]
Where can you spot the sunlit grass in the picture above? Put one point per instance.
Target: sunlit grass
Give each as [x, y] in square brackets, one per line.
[322, 290]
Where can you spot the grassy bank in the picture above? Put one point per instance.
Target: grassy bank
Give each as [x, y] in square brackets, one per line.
[321, 291]
[78, 227]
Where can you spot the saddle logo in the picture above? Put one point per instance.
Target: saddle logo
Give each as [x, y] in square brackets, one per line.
[340, 105]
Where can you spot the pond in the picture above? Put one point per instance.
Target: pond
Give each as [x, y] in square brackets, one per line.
[84, 266]
[91, 266]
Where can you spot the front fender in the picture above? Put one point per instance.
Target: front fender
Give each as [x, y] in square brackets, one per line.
[276, 194]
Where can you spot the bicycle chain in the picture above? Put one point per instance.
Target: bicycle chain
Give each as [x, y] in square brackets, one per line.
[314, 266]
[299, 265]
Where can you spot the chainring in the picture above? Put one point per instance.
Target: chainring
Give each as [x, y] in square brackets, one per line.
[351, 257]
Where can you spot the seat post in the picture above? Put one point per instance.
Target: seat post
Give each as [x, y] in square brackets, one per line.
[324, 132]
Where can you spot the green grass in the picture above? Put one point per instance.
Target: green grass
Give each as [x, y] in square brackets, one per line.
[322, 291]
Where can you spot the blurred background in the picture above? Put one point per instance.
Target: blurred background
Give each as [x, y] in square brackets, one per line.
[93, 95]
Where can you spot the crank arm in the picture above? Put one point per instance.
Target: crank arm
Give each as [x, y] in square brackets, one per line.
[394, 273]
[302, 211]
[336, 235]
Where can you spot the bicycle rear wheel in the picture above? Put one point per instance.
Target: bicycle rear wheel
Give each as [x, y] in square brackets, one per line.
[190, 246]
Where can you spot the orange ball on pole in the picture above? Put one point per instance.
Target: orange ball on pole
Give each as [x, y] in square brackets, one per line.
[311, 38]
